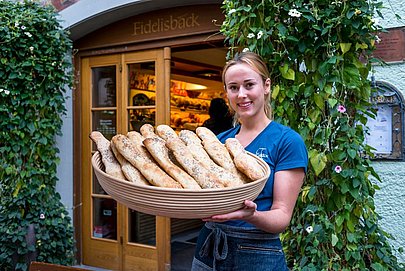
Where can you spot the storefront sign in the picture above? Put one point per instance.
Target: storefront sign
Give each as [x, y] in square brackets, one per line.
[170, 23]
[156, 26]
[391, 47]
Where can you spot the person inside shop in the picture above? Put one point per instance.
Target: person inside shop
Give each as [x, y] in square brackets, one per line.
[220, 116]
[248, 239]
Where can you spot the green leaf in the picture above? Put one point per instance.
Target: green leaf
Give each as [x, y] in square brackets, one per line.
[332, 102]
[318, 161]
[287, 73]
[275, 91]
[352, 153]
[377, 267]
[335, 239]
[319, 101]
[345, 47]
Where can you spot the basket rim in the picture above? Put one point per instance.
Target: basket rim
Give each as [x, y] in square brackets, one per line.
[96, 161]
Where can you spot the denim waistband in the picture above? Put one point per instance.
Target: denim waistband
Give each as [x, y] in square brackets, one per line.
[244, 233]
[216, 242]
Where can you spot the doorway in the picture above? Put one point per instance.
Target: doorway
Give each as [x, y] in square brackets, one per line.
[120, 93]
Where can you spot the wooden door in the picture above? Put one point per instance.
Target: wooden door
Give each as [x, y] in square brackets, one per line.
[120, 92]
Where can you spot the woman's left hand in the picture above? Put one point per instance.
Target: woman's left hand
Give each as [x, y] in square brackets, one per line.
[245, 213]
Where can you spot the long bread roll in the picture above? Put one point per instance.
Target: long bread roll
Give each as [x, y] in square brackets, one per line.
[137, 138]
[152, 172]
[202, 175]
[147, 130]
[157, 148]
[112, 166]
[166, 132]
[244, 162]
[216, 150]
[131, 173]
[193, 143]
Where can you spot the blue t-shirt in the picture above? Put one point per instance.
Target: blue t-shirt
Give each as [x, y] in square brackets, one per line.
[281, 148]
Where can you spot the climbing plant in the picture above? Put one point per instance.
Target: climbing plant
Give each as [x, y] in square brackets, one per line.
[319, 56]
[34, 71]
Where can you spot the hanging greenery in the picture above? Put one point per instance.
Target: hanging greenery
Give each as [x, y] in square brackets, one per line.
[319, 54]
[34, 73]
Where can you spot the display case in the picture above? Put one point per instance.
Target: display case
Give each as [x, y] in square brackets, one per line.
[189, 102]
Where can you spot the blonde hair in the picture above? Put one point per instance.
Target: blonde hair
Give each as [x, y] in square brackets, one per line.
[258, 65]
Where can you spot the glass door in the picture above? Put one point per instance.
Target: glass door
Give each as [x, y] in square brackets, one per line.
[120, 93]
[146, 242]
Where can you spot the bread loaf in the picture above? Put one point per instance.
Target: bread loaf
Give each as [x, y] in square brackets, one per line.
[166, 132]
[157, 147]
[244, 162]
[147, 130]
[202, 175]
[193, 143]
[112, 166]
[131, 173]
[137, 139]
[152, 172]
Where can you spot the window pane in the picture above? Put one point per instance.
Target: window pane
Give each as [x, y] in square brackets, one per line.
[104, 218]
[105, 122]
[138, 117]
[141, 228]
[104, 86]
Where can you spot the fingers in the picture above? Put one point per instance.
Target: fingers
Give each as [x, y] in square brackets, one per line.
[241, 214]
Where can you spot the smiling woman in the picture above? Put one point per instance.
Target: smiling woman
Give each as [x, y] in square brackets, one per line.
[247, 85]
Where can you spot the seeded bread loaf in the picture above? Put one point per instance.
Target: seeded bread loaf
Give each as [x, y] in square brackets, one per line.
[152, 172]
[157, 148]
[112, 166]
[244, 162]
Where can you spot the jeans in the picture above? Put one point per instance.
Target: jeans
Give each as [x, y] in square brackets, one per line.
[226, 248]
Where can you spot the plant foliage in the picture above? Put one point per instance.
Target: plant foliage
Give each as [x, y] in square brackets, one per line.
[319, 54]
[33, 76]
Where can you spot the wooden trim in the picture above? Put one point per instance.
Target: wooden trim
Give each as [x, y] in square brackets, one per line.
[212, 38]
[167, 75]
[77, 181]
[39, 266]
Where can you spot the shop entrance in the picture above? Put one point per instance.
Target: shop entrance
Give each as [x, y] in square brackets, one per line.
[121, 92]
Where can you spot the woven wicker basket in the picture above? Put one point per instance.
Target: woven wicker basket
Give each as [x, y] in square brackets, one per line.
[178, 203]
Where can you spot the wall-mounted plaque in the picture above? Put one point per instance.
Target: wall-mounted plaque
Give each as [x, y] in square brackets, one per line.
[386, 130]
[391, 47]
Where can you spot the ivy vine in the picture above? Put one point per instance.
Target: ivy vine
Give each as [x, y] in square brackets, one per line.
[34, 73]
[320, 55]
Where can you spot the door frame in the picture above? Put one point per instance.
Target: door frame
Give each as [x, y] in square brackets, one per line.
[121, 254]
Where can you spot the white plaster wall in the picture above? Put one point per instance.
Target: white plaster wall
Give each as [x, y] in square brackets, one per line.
[390, 199]
[65, 169]
[392, 7]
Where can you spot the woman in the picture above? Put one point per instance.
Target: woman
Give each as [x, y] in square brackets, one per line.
[248, 239]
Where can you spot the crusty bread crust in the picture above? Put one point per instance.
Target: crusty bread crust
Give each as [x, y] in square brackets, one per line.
[202, 175]
[152, 172]
[166, 132]
[244, 162]
[193, 143]
[131, 173]
[137, 139]
[157, 147]
[147, 130]
[112, 166]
